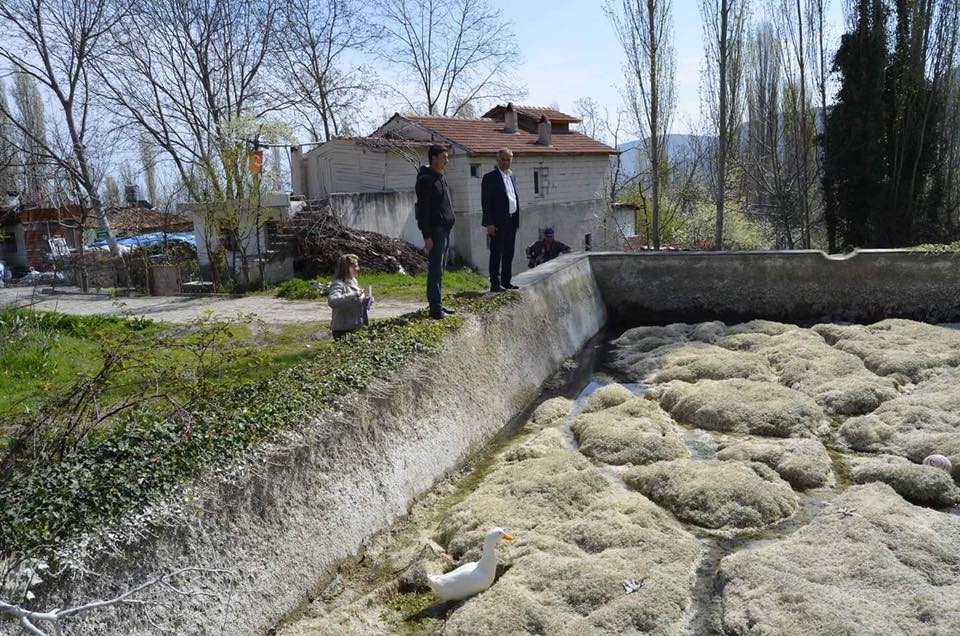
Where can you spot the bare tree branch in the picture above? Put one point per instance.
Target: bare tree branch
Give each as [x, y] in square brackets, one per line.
[457, 52]
[29, 619]
[644, 28]
[724, 23]
[56, 42]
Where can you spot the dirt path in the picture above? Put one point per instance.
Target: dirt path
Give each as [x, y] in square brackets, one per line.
[180, 309]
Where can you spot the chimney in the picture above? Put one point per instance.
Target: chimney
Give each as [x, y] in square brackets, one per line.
[510, 119]
[544, 132]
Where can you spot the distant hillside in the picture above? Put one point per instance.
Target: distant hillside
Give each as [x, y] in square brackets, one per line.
[682, 146]
[677, 146]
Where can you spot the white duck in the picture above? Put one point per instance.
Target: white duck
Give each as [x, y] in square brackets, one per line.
[470, 578]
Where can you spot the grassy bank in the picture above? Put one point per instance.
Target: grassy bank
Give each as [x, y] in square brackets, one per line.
[43, 354]
[388, 286]
[148, 451]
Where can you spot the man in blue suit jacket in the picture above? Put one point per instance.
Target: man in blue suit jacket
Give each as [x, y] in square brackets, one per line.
[501, 218]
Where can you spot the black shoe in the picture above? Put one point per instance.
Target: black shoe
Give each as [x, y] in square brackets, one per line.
[510, 286]
[439, 316]
[449, 312]
[496, 288]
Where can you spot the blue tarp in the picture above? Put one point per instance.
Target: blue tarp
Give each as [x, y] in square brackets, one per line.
[153, 238]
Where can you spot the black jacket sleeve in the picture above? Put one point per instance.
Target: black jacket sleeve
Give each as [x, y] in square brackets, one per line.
[422, 211]
[486, 199]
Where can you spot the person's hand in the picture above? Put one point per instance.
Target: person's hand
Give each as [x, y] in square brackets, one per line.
[491, 230]
[428, 244]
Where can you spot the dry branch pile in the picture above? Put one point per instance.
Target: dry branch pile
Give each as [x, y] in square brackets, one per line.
[321, 244]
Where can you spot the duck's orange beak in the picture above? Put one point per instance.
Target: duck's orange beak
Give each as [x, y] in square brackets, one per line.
[507, 537]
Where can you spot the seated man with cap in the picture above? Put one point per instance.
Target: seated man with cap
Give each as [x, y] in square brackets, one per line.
[545, 249]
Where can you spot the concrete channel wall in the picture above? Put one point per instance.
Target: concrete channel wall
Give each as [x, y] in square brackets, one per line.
[282, 522]
[803, 286]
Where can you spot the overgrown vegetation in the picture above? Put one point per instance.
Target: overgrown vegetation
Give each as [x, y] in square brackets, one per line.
[693, 226]
[53, 490]
[300, 289]
[938, 248]
[393, 286]
[45, 356]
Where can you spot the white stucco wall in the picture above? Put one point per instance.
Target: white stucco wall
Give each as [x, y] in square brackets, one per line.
[346, 166]
[387, 213]
[275, 205]
[571, 198]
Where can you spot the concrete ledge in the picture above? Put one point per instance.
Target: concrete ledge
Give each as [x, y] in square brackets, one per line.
[865, 286]
[283, 520]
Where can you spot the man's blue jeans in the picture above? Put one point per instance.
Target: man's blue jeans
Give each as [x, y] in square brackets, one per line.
[437, 263]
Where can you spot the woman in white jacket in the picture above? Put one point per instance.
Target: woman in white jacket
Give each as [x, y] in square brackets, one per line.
[349, 304]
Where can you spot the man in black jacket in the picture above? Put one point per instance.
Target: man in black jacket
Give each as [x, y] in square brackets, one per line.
[546, 249]
[435, 219]
[501, 218]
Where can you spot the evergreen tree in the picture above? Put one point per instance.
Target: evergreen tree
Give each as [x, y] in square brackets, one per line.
[913, 118]
[111, 193]
[856, 172]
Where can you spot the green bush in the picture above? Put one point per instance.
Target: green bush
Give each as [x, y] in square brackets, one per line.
[299, 289]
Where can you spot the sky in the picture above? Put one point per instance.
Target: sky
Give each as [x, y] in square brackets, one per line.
[570, 50]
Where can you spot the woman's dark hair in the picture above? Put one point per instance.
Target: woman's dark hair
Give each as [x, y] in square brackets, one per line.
[435, 151]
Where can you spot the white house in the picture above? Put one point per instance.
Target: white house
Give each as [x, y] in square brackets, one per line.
[562, 177]
[251, 243]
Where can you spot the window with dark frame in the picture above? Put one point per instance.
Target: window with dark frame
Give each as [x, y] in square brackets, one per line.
[474, 169]
[540, 182]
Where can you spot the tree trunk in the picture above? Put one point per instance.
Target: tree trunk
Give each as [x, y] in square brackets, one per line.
[724, 127]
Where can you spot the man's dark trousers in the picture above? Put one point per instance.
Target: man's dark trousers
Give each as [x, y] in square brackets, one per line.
[436, 263]
[501, 255]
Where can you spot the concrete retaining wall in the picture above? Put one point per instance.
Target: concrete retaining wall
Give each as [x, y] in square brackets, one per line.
[571, 221]
[281, 522]
[285, 519]
[802, 286]
[388, 213]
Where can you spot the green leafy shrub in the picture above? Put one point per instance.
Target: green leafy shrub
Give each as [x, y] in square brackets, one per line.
[299, 289]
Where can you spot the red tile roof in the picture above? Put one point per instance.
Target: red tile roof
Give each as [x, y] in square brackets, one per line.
[486, 136]
[380, 142]
[555, 116]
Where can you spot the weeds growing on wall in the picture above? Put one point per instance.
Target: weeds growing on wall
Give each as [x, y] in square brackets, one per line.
[938, 248]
